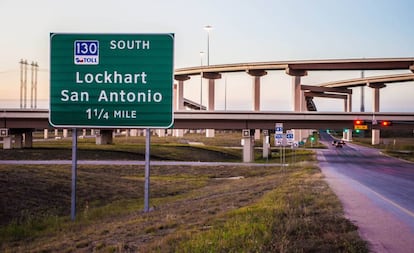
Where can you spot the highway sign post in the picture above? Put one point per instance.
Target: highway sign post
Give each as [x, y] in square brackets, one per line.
[279, 137]
[111, 81]
[278, 134]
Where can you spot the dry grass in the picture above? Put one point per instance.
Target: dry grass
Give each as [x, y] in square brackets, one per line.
[266, 210]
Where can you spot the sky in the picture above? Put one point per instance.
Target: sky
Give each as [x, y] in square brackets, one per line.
[243, 31]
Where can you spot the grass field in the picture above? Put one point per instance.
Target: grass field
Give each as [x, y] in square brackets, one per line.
[224, 148]
[402, 148]
[194, 208]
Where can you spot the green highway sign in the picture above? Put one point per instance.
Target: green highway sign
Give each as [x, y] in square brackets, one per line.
[111, 80]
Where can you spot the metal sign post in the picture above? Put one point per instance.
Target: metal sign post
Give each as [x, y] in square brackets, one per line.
[111, 81]
[74, 172]
[147, 169]
[279, 140]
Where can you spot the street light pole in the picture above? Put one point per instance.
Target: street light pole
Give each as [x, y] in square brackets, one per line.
[208, 28]
[201, 80]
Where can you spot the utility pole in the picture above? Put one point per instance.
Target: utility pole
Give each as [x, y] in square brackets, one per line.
[33, 84]
[362, 93]
[33, 88]
[23, 83]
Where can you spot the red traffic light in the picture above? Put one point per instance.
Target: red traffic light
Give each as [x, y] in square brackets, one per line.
[386, 123]
[358, 122]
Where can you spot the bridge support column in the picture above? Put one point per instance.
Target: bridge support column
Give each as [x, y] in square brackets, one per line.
[211, 76]
[18, 140]
[65, 133]
[45, 133]
[179, 92]
[161, 132]
[376, 108]
[256, 74]
[375, 137]
[104, 137]
[28, 139]
[8, 142]
[298, 97]
[248, 146]
[348, 103]
[347, 135]
[179, 133]
[266, 144]
[133, 132]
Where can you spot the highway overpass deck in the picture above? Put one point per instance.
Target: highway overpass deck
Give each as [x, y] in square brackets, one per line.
[39, 119]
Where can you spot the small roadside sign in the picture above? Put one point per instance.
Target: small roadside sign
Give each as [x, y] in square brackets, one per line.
[4, 132]
[361, 127]
[289, 137]
[279, 128]
[278, 134]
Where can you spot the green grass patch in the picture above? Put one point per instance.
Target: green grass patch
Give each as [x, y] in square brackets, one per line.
[195, 209]
[301, 215]
[402, 148]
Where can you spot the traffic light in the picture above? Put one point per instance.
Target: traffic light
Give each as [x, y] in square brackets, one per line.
[386, 123]
[358, 122]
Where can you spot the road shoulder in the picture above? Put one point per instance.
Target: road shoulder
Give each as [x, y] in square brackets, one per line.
[379, 227]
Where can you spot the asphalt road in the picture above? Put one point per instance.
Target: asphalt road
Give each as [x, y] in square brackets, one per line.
[377, 193]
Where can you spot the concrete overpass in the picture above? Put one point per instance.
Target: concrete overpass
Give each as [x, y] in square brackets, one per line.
[209, 118]
[21, 123]
[17, 119]
[302, 95]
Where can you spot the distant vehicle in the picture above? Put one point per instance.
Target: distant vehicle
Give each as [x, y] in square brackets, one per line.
[338, 143]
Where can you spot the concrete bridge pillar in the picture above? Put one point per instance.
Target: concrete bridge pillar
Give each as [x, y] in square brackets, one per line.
[256, 74]
[28, 139]
[248, 146]
[18, 140]
[347, 133]
[211, 76]
[179, 92]
[298, 97]
[65, 133]
[179, 133]
[375, 137]
[8, 142]
[376, 108]
[178, 104]
[376, 95]
[266, 144]
[160, 132]
[104, 137]
[133, 132]
[45, 133]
